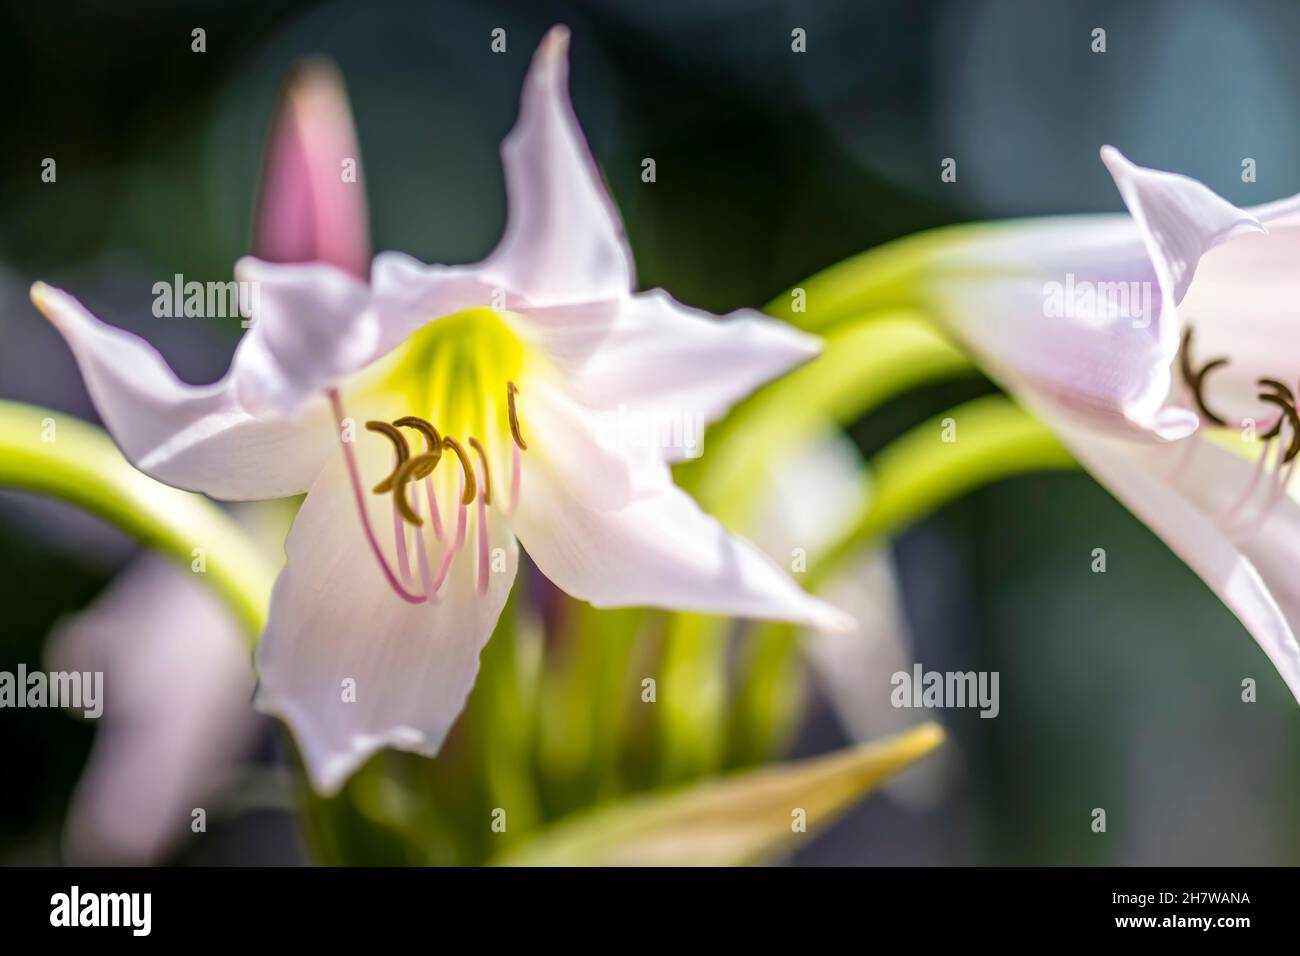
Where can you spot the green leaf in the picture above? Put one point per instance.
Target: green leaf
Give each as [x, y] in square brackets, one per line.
[58, 455]
[740, 819]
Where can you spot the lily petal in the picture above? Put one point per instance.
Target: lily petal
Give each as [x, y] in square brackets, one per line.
[1180, 220]
[334, 620]
[1179, 491]
[1108, 357]
[654, 355]
[1243, 306]
[311, 326]
[308, 209]
[564, 239]
[660, 550]
[196, 437]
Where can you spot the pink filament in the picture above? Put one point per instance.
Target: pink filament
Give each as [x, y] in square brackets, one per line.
[1231, 514]
[433, 508]
[482, 547]
[354, 474]
[514, 477]
[422, 559]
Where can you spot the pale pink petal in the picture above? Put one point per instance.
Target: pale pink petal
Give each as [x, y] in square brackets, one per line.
[177, 710]
[334, 620]
[197, 437]
[1069, 309]
[1243, 306]
[312, 200]
[652, 354]
[1179, 218]
[660, 550]
[311, 327]
[1183, 494]
[569, 437]
[564, 239]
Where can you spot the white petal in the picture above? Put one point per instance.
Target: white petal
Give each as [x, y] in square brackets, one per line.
[311, 327]
[333, 619]
[660, 550]
[1180, 219]
[195, 437]
[409, 294]
[1068, 309]
[660, 358]
[579, 451]
[176, 712]
[1179, 491]
[564, 240]
[1245, 306]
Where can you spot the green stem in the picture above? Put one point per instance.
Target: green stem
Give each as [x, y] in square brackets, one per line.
[58, 455]
[993, 440]
[891, 276]
[865, 362]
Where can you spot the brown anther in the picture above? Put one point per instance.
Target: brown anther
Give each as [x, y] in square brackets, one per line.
[487, 479]
[405, 472]
[1196, 378]
[465, 465]
[432, 440]
[399, 443]
[1281, 391]
[1293, 419]
[511, 392]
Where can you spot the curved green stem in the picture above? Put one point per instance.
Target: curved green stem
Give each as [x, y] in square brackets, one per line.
[992, 439]
[865, 362]
[891, 276]
[58, 455]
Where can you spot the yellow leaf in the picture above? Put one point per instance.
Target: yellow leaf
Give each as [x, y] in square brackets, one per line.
[740, 819]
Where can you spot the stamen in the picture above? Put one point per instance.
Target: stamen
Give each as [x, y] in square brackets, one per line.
[422, 559]
[1196, 379]
[514, 478]
[1231, 515]
[399, 542]
[1292, 418]
[483, 539]
[405, 472]
[432, 440]
[467, 468]
[354, 476]
[487, 478]
[399, 443]
[511, 392]
[1283, 393]
[433, 509]
[1281, 477]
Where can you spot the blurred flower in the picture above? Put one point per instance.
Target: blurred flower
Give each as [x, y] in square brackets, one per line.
[179, 711]
[312, 201]
[175, 657]
[1083, 317]
[809, 493]
[521, 356]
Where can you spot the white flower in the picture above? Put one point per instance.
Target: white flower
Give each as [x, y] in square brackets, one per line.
[1088, 318]
[402, 557]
